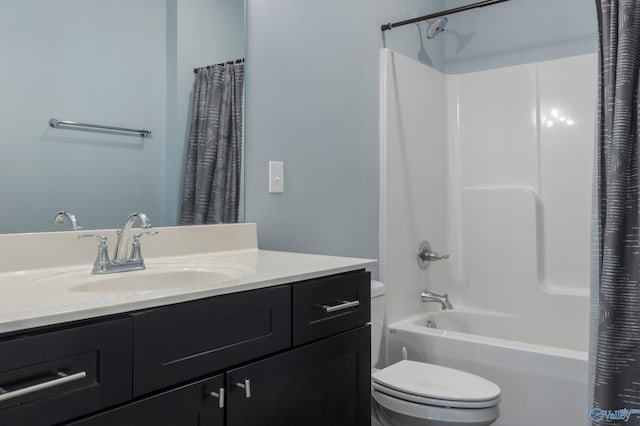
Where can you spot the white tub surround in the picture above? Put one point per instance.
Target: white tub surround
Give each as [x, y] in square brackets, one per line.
[45, 277]
[493, 168]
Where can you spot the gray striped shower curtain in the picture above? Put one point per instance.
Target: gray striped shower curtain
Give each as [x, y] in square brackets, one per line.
[615, 283]
[212, 172]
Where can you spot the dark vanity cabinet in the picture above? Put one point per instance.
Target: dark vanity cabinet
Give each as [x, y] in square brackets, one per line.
[323, 383]
[295, 354]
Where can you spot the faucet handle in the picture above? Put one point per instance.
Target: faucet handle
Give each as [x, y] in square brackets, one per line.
[136, 237]
[102, 259]
[101, 238]
[426, 255]
[136, 252]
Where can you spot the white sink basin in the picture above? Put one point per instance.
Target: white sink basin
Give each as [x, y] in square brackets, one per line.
[155, 281]
[162, 276]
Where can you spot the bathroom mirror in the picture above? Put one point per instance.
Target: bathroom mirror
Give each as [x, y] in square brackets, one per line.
[124, 63]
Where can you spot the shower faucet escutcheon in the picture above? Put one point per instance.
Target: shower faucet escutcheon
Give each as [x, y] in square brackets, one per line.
[426, 255]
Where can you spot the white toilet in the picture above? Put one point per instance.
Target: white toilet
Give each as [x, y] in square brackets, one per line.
[411, 393]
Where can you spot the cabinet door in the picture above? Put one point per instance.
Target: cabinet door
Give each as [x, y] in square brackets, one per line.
[323, 383]
[190, 405]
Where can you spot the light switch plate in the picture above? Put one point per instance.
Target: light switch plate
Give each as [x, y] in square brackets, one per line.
[276, 177]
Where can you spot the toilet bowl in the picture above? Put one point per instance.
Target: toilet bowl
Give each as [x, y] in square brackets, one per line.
[411, 393]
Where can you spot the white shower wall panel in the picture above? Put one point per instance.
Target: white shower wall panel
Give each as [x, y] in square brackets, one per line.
[500, 248]
[567, 91]
[531, 126]
[496, 127]
[413, 184]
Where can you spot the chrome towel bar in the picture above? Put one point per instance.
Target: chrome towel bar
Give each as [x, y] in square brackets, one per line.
[55, 123]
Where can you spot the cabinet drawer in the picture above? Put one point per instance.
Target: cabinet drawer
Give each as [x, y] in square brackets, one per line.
[330, 305]
[178, 343]
[54, 376]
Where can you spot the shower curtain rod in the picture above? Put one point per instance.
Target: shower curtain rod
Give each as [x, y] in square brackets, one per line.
[235, 61]
[390, 25]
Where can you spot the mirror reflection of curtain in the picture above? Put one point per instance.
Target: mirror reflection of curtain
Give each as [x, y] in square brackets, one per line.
[211, 184]
[615, 289]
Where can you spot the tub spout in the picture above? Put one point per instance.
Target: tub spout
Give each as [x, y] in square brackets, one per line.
[427, 296]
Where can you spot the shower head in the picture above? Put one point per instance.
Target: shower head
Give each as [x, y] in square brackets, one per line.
[436, 26]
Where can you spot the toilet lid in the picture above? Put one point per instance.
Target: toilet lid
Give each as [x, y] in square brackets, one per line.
[436, 382]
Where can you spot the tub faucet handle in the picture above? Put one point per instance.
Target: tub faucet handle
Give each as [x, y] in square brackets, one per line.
[426, 255]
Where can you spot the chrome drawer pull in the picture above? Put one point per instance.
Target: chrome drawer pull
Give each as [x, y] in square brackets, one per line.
[220, 396]
[63, 378]
[246, 386]
[344, 305]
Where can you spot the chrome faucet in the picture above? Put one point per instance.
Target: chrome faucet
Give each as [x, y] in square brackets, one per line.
[427, 296]
[127, 255]
[125, 247]
[72, 218]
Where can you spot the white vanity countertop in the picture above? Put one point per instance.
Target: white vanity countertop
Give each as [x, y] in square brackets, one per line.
[43, 296]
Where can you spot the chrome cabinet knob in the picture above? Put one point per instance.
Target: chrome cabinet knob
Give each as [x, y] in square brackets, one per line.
[246, 386]
[220, 396]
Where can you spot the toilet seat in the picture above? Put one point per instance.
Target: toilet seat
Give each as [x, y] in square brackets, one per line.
[429, 384]
[433, 401]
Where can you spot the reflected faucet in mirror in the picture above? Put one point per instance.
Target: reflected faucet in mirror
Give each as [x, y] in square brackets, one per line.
[72, 218]
[128, 254]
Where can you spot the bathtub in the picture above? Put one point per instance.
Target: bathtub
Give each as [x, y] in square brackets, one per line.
[540, 368]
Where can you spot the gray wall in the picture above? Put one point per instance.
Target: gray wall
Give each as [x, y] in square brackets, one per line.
[312, 88]
[518, 32]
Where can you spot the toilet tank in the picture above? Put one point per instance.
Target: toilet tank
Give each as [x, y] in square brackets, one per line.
[377, 319]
